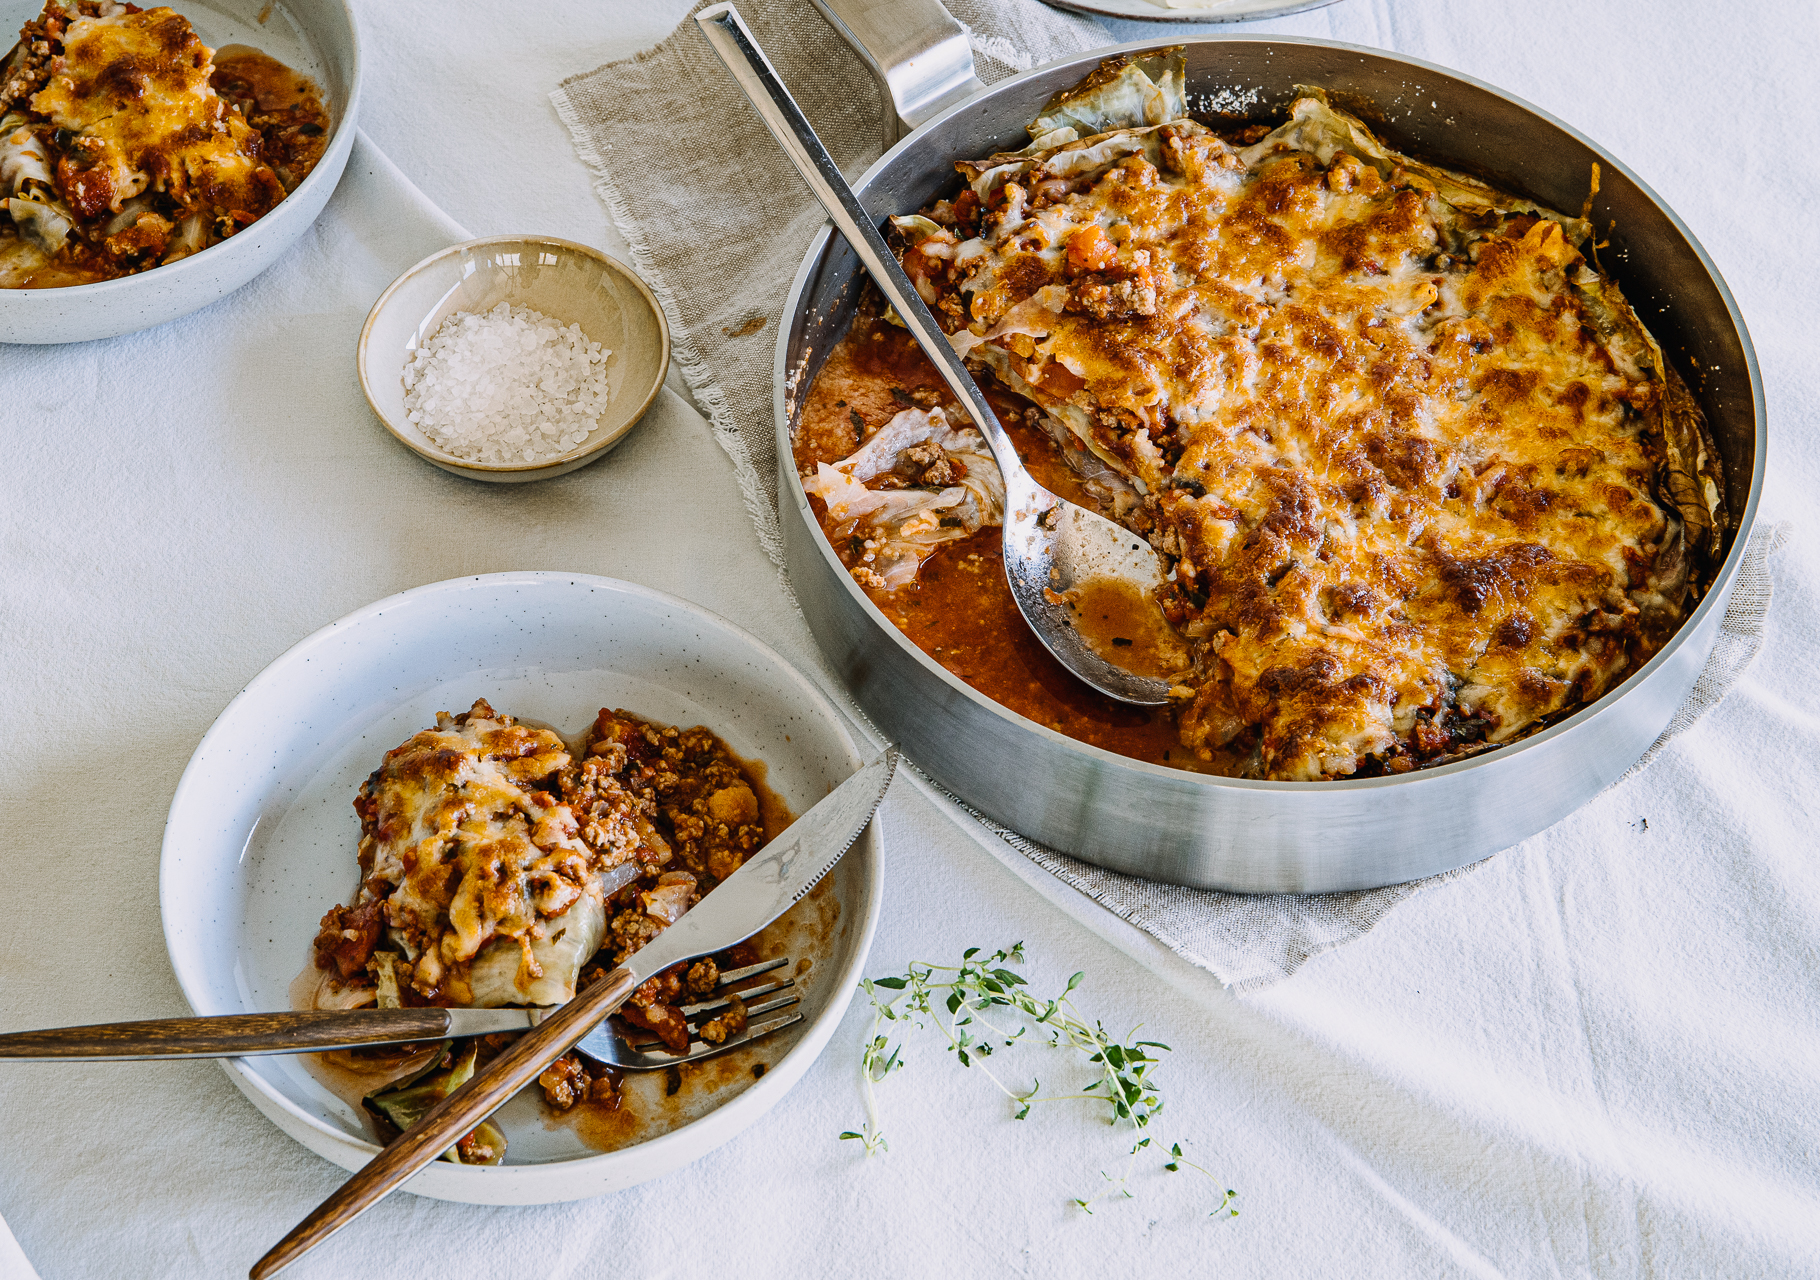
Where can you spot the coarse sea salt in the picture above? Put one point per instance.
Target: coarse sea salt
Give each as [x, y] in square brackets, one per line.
[506, 386]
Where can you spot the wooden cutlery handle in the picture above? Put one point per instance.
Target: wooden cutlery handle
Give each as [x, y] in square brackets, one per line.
[233, 1036]
[453, 1117]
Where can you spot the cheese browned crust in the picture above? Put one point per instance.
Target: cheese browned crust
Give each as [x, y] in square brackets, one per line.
[1424, 479]
[136, 88]
[491, 887]
[495, 864]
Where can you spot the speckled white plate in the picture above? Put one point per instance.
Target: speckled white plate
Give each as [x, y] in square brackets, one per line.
[261, 838]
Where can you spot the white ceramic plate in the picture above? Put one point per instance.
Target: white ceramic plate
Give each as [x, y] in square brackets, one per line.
[261, 838]
[317, 37]
[1212, 11]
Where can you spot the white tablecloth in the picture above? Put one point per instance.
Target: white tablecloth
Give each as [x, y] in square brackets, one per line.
[1600, 1055]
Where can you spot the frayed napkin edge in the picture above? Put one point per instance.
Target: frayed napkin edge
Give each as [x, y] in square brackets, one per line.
[703, 386]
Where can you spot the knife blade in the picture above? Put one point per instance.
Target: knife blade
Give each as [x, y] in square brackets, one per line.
[752, 897]
[774, 878]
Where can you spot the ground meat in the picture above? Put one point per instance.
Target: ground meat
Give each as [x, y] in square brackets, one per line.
[704, 976]
[564, 1082]
[666, 1020]
[630, 930]
[730, 1023]
[476, 1149]
[611, 797]
[572, 1080]
[29, 66]
[703, 803]
[347, 938]
[1110, 295]
[928, 465]
[738, 956]
[664, 988]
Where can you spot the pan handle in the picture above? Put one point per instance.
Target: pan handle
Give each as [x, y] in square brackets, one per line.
[916, 49]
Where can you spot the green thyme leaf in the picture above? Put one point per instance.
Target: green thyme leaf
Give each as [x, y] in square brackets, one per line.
[988, 1005]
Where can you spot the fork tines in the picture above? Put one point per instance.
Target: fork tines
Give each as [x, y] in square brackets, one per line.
[649, 1047]
[654, 1054]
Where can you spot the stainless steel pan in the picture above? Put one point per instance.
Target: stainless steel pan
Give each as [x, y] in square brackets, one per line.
[1244, 836]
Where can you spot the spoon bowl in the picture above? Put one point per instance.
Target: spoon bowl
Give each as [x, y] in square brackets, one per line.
[1057, 551]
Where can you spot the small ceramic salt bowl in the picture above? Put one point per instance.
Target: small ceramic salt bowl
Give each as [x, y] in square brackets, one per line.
[568, 282]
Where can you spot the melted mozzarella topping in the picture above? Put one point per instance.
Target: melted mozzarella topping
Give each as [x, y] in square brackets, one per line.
[466, 854]
[135, 87]
[1399, 461]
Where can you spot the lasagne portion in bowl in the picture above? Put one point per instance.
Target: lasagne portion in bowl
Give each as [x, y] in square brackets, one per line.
[478, 887]
[498, 867]
[1423, 480]
[126, 144]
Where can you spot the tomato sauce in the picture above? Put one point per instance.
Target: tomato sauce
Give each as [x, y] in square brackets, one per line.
[959, 610]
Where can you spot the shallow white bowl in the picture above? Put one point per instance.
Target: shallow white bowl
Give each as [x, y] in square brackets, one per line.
[317, 37]
[261, 836]
[571, 283]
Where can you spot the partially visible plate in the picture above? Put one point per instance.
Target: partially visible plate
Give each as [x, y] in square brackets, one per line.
[1222, 11]
[261, 839]
[320, 38]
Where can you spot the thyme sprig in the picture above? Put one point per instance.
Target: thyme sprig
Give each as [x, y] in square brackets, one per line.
[1178, 1162]
[981, 1006]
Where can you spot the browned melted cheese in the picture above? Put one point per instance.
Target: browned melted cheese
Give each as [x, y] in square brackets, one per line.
[136, 87]
[1400, 466]
[463, 842]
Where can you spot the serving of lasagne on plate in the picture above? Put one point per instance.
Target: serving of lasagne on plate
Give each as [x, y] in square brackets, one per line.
[496, 865]
[126, 143]
[1423, 480]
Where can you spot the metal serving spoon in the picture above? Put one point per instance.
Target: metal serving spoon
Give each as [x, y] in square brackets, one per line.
[1051, 545]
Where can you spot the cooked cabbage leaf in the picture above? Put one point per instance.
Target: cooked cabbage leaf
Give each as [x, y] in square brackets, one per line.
[544, 972]
[962, 492]
[1123, 93]
[1321, 129]
[405, 1103]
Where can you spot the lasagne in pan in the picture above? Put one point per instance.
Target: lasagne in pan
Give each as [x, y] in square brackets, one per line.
[1422, 479]
[125, 143]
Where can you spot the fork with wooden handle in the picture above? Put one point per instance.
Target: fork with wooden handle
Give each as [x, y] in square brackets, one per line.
[745, 902]
[251, 1035]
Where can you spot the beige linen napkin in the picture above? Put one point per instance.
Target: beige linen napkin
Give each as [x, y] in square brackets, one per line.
[716, 217]
[718, 221]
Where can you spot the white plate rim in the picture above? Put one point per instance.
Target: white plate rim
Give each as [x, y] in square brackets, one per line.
[665, 1152]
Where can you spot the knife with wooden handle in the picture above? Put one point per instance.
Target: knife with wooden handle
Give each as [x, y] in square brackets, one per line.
[248, 1035]
[764, 888]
